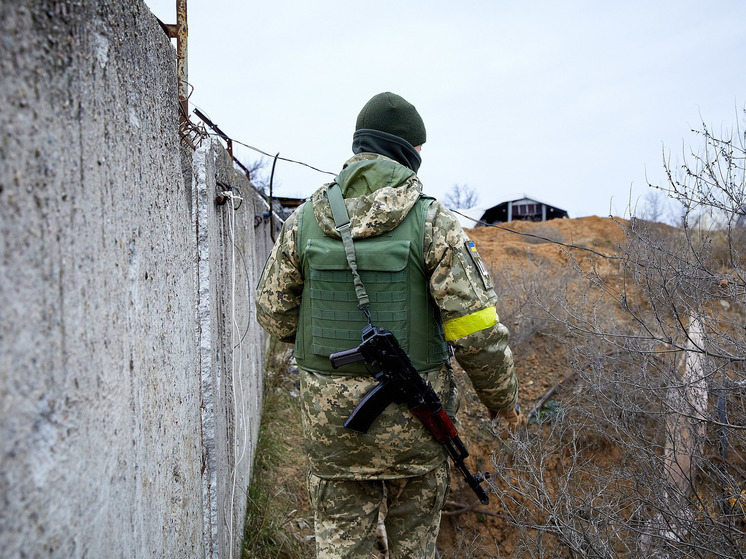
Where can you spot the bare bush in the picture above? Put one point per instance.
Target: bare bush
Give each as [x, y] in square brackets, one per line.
[648, 455]
[526, 295]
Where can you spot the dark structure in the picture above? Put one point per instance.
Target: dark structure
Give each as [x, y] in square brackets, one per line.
[524, 208]
[283, 207]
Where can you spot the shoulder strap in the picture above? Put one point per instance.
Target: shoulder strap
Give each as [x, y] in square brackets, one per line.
[299, 227]
[342, 225]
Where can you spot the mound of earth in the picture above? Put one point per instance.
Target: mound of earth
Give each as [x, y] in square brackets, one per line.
[469, 529]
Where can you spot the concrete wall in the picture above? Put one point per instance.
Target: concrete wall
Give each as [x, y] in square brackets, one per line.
[130, 360]
[233, 242]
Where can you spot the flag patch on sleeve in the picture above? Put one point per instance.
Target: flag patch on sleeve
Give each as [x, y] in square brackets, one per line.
[471, 248]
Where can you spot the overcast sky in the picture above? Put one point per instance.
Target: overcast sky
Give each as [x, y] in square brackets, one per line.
[573, 103]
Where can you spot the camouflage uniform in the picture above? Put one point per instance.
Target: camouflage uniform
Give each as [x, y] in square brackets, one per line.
[347, 514]
[397, 446]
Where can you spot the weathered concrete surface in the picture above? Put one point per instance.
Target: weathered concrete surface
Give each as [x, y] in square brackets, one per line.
[231, 239]
[120, 435]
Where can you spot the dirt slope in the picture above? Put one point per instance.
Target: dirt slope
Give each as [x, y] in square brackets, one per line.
[516, 250]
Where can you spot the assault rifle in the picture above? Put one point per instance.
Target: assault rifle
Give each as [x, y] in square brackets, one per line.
[400, 382]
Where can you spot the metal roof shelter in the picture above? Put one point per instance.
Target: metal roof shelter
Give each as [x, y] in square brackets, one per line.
[515, 208]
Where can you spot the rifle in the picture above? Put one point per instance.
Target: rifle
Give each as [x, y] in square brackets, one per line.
[400, 382]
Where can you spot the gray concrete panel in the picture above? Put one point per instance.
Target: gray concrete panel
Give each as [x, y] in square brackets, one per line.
[130, 360]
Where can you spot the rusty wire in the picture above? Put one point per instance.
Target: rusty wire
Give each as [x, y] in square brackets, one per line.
[286, 159]
[191, 134]
[230, 141]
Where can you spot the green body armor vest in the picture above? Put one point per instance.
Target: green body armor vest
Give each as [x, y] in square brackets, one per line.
[392, 268]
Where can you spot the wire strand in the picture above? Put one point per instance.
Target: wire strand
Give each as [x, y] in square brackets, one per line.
[226, 137]
[532, 235]
[477, 221]
[239, 450]
[280, 158]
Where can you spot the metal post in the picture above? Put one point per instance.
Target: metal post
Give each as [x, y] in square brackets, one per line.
[179, 32]
[182, 72]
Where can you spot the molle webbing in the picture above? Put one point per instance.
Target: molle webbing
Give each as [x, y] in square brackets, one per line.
[392, 270]
[343, 227]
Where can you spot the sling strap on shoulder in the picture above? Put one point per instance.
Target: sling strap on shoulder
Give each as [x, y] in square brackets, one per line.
[342, 225]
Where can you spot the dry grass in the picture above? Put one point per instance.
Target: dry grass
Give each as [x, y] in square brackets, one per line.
[278, 522]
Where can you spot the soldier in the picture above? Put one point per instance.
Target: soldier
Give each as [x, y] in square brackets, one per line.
[426, 283]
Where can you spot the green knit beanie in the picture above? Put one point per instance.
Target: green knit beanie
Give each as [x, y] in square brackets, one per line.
[390, 113]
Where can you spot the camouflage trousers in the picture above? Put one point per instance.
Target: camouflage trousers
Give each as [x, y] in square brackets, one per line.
[347, 511]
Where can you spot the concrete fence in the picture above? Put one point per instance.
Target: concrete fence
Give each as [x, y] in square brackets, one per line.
[130, 358]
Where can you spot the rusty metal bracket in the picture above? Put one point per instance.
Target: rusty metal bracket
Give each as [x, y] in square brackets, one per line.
[227, 191]
[227, 139]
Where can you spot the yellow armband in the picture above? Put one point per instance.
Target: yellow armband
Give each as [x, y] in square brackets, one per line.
[463, 326]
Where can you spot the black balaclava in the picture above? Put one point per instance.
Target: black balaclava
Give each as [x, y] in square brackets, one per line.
[389, 125]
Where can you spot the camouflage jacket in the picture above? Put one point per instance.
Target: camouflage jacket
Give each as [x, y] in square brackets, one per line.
[397, 444]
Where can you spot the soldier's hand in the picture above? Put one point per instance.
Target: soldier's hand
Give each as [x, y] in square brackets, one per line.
[513, 417]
